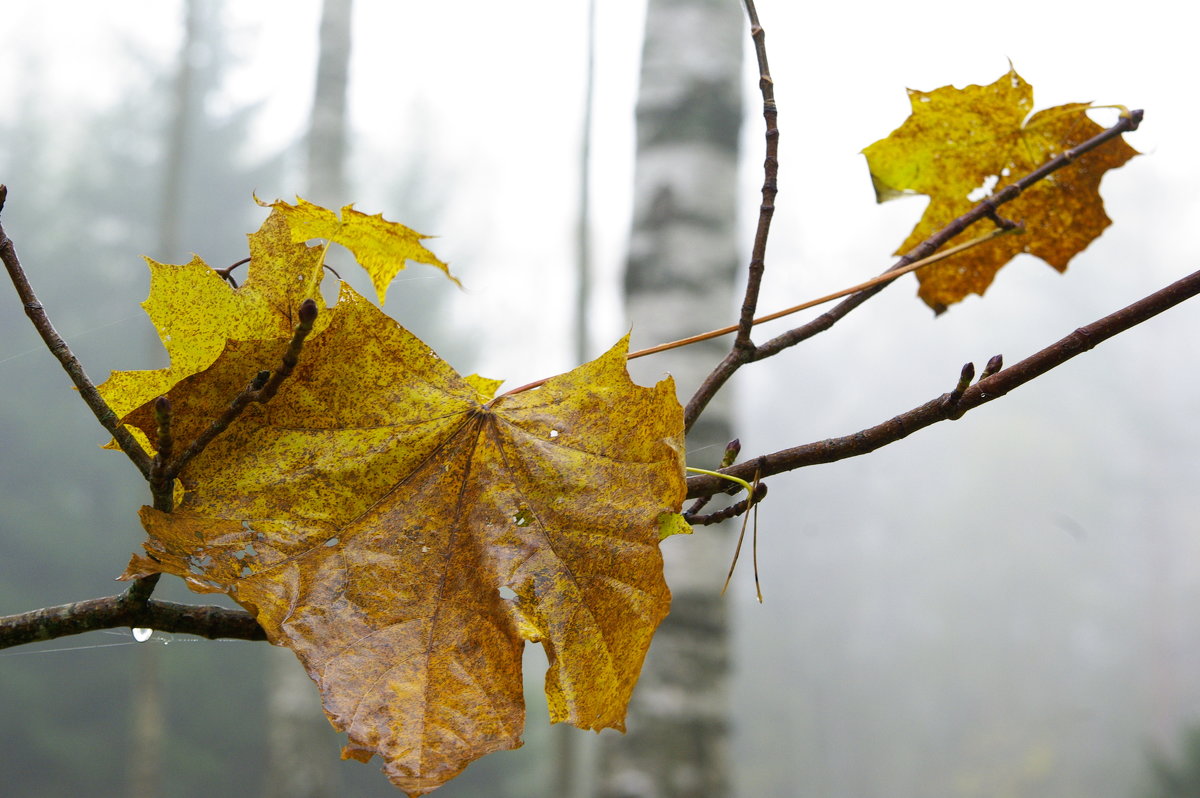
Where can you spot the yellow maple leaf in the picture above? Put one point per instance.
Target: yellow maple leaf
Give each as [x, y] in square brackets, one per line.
[961, 144]
[196, 312]
[381, 247]
[405, 533]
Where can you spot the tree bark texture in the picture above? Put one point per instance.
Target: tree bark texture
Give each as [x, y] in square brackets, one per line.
[680, 271]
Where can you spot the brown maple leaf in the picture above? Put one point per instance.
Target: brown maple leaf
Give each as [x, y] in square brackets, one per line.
[405, 533]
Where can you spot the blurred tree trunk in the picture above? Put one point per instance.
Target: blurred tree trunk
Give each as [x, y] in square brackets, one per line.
[145, 764]
[327, 127]
[149, 726]
[302, 748]
[680, 271]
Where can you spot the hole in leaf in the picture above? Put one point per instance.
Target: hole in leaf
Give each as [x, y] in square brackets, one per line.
[507, 593]
[523, 517]
[984, 189]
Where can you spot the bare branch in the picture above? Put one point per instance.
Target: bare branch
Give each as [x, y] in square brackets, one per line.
[770, 187]
[987, 209]
[58, 347]
[261, 389]
[946, 407]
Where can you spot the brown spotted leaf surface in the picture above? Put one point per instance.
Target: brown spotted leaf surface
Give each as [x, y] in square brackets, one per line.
[958, 145]
[405, 532]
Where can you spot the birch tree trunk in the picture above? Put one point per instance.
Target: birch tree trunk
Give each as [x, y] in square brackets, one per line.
[302, 747]
[679, 276]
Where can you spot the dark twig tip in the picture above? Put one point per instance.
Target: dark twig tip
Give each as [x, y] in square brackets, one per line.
[964, 381]
[993, 366]
[308, 311]
[732, 449]
[968, 374]
[3, 195]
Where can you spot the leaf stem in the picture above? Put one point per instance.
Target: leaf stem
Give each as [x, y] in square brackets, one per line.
[854, 289]
[886, 277]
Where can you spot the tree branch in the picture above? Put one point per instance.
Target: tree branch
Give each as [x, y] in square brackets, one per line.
[949, 407]
[58, 347]
[770, 187]
[117, 611]
[985, 209]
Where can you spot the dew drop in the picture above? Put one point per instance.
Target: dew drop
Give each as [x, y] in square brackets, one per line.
[142, 634]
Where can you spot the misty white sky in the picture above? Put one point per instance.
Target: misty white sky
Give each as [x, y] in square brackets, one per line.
[492, 90]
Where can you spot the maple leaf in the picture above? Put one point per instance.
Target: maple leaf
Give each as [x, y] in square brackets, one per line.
[960, 144]
[381, 247]
[196, 312]
[405, 533]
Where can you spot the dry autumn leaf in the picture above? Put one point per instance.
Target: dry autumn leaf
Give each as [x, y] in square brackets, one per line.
[405, 532]
[961, 144]
[381, 247]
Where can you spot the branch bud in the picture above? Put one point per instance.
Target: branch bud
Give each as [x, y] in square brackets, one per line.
[964, 379]
[732, 449]
[308, 312]
[993, 366]
[162, 410]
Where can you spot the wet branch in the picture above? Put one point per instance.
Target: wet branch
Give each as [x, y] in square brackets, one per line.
[133, 607]
[113, 612]
[987, 209]
[58, 347]
[998, 382]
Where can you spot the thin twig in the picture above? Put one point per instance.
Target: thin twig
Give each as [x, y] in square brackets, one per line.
[724, 514]
[227, 273]
[58, 347]
[937, 257]
[985, 209]
[886, 277]
[941, 409]
[770, 186]
[161, 485]
[261, 389]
